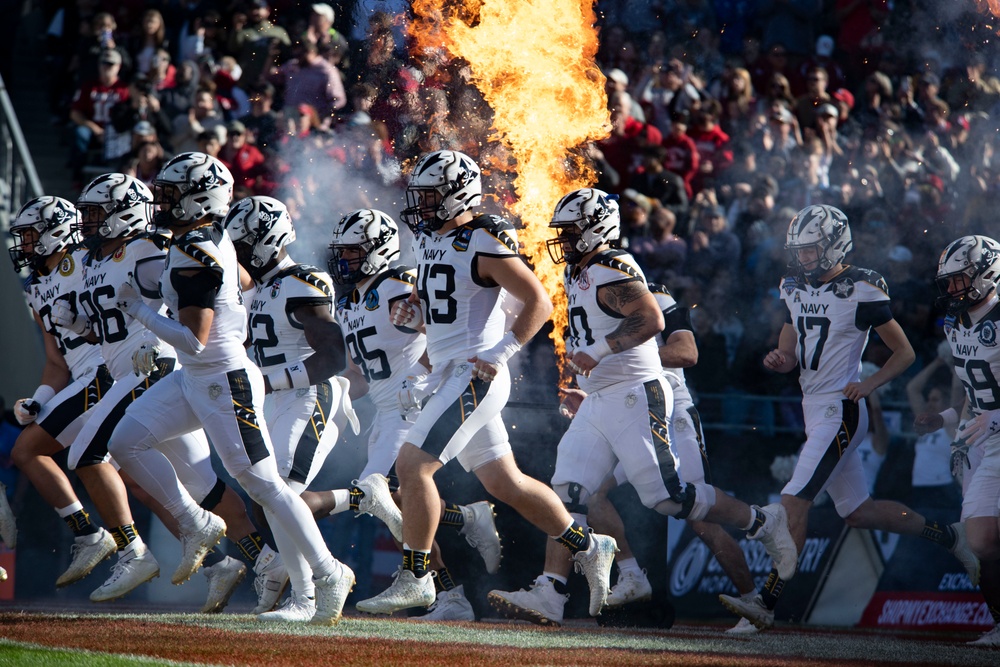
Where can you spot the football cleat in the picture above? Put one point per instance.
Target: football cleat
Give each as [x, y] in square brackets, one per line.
[331, 593]
[752, 609]
[295, 609]
[450, 606]
[541, 604]
[480, 531]
[223, 578]
[964, 554]
[3, 574]
[88, 551]
[595, 564]
[631, 587]
[8, 525]
[777, 540]
[134, 568]
[271, 580]
[742, 627]
[407, 590]
[378, 503]
[196, 545]
[990, 638]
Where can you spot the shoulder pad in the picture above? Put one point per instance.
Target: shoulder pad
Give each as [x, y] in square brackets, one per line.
[187, 244]
[498, 227]
[612, 259]
[160, 240]
[860, 275]
[657, 289]
[406, 274]
[309, 275]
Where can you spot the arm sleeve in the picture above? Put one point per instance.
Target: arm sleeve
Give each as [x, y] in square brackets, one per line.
[167, 330]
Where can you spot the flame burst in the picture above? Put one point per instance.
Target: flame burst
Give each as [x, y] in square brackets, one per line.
[533, 61]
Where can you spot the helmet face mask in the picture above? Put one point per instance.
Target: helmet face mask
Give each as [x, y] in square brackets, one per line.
[968, 272]
[442, 186]
[585, 220]
[43, 227]
[365, 242]
[190, 187]
[259, 227]
[115, 205]
[822, 228]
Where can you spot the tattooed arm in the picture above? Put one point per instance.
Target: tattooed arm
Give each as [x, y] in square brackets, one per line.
[641, 320]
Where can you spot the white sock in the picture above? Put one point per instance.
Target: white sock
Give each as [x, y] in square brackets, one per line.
[69, 509]
[555, 577]
[629, 566]
[132, 546]
[342, 501]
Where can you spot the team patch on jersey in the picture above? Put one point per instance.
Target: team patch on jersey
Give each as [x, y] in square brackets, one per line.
[66, 266]
[797, 299]
[275, 288]
[988, 333]
[119, 254]
[214, 390]
[371, 300]
[461, 242]
[788, 284]
[584, 280]
[949, 324]
[843, 288]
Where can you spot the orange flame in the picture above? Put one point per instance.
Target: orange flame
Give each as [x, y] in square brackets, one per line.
[533, 61]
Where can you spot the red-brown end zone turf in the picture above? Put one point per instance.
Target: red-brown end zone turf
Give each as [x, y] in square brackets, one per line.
[209, 645]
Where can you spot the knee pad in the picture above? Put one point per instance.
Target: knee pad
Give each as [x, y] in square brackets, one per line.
[574, 497]
[695, 501]
[214, 496]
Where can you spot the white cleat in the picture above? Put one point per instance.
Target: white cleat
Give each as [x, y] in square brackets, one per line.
[595, 564]
[296, 609]
[407, 590]
[88, 551]
[964, 554]
[777, 540]
[753, 610]
[331, 594]
[196, 545]
[378, 503]
[271, 580]
[3, 574]
[991, 638]
[540, 604]
[450, 606]
[743, 627]
[480, 531]
[134, 568]
[223, 578]
[630, 587]
[8, 525]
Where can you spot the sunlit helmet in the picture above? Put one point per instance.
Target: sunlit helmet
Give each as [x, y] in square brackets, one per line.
[191, 186]
[115, 205]
[972, 265]
[260, 227]
[43, 226]
[584, 219]
[373, 237]
[823, 227]
[443, 185]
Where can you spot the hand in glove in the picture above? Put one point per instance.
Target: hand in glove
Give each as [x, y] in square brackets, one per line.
[981, 427]
[960, 459]
[64, 316]
[412, 394]
[144, 359]
[26, 410]
[128, 298]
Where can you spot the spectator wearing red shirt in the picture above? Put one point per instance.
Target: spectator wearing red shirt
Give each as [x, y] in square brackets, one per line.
[623, 149]
[681, 153]
[715, 154]
[91, 109]
[245, 161]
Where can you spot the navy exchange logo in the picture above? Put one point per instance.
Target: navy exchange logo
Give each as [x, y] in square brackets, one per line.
[843, 289]
[988, 334]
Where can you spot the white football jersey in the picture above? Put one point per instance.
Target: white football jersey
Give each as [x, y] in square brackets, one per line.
[120, 335]
[64, 282]
[209, 247]
[675, 318]
[384, 352]
[589, 321]
[832, 321]
[462, 312]
[276, 337]
[977, 358]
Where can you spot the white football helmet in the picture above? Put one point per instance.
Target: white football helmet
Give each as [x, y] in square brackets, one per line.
[191, 186]
[972, 264]
[443, 185]
[115, 205]
[373, 235]
[823, 227]
[260, 227]
[43, 226]
[584, 219]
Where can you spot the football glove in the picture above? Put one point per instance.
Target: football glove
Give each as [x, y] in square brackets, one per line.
[26, 410]
[980, 428]
[406, 314]
[144, 359]
[64, 316]
[960, 459]
[412, 394]
[128, 297]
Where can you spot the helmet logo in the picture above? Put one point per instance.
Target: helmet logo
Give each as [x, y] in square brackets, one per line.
[61, 214]
[133, 196]
[212, 177]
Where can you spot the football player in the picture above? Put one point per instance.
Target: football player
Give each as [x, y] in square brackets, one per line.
[625, 414]
[465, 263]
[297, 345]
[117, 214]
[217, 388]
[832, 307]
[382, 358]
[46, 233]
[967, 276]
[677, 351]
